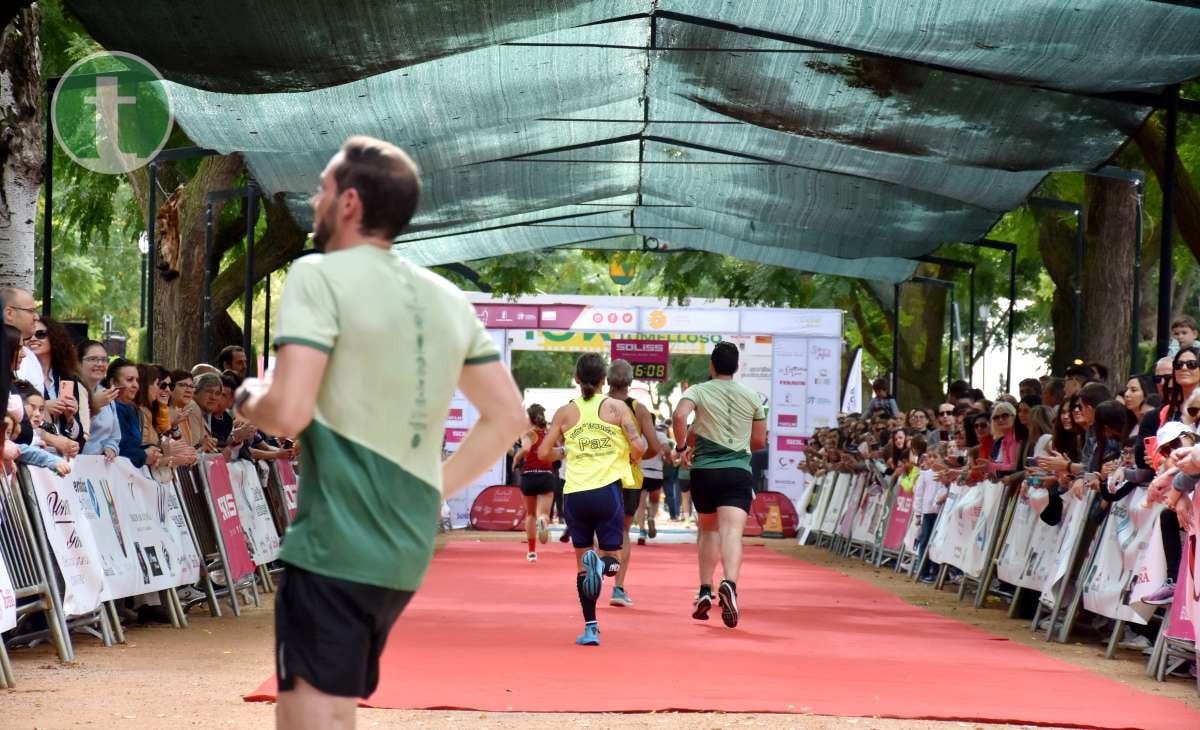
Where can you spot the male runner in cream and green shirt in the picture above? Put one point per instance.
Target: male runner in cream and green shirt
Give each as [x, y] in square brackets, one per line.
[730, 422]
[370, 351]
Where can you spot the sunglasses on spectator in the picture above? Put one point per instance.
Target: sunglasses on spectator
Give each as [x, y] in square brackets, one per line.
[1187, 364]
[164, 384]
[41, 334]
[1162, 378]
[980, 425]
[946, 413]
[1194, 411]
[1001, 416]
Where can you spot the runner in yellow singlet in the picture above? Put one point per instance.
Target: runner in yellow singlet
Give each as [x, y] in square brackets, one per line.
[620, 377]
[601, 439]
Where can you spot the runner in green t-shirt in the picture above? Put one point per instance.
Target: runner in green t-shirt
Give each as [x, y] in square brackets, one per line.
[370, 351]
[729, 423]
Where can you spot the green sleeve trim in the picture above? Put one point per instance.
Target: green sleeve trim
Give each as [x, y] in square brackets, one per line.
[756, 420]
[686, 398]
[281, 341]
[482, 359]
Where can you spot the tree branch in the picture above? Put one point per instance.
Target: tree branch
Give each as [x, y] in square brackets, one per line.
[280, 243]
[1151, 139]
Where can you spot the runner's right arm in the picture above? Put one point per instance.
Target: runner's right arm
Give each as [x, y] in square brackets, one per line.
[502, 419]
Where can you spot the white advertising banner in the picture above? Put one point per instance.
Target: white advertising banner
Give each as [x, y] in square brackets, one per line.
[852, 394]
[262, 538]
[8, 600]
[849, 508]
[968, 527]
[824, 384]
[868, 516]
[1047, 555]
[941, 528]
[138, 527]
[1014, 552]
[70, 537]
[1125, 542]
[691, 319]
[459, 419]
[833, 508]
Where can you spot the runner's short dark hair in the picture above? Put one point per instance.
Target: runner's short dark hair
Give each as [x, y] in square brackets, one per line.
[387, 182]
[725, 358]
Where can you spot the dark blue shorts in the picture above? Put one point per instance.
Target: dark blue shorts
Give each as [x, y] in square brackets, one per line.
[596, 514]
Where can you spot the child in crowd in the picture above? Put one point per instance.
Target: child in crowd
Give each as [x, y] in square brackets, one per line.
[31, 455]
[1184, 331]
[928, 495]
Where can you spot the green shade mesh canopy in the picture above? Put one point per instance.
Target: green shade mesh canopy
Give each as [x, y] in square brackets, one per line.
[833, 136]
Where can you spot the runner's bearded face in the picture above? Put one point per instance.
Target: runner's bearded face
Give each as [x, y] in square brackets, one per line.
[324, 206]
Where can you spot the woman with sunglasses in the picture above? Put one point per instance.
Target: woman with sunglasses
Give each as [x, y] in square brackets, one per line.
[58, 369]
[1186, 377]
[1006, 447]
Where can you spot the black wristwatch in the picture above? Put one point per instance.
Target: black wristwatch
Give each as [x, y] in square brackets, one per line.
[681, 449]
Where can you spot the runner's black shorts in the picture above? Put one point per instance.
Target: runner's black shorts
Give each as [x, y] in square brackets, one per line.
[712, 488]
[651, 484]
[631, 498]
[685, 485]
[595, 512]
[535, 483]
[331, 632]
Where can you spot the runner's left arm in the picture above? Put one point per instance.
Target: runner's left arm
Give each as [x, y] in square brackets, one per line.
[637, 442]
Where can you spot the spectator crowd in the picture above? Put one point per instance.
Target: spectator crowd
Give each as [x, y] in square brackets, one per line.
[1064, 434]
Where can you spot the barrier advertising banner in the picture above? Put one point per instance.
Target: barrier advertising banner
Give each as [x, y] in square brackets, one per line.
[137, 524]
[1180, 625]
[832, 513]
[460, 417]
[1114, 572]
[238, 564]
[1014, 552]
[899, 519]
[1048, 554]
[868, 514]
[942, 528]
[8, 599]
[970, 525]
[289, 483]
[850, 506]
[262, 539]
[71, 541]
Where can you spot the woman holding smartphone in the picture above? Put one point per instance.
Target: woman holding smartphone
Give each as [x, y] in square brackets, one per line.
[104, 436]
[64, 429]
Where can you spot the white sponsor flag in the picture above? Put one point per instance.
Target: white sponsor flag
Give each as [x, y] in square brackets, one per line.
[852, 393]
[71, 541]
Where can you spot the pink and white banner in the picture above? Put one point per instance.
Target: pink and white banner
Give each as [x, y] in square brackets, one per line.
[868, 514]
[8, 599]
[238, 564]
[1181, 625]
[288, 483]
[850, 506]
[900, 519]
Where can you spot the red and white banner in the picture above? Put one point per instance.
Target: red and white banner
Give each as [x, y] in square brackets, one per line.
[238, 564]
[71, 541]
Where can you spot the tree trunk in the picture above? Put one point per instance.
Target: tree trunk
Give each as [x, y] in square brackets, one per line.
[922, 331]
[1109, 227]
[1056, 242]
[22, 146]
[179, 303]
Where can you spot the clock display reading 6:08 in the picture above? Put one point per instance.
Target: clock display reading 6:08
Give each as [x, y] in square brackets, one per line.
[649, 371]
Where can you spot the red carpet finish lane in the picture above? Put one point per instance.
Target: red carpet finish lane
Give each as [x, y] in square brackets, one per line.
[491, 632]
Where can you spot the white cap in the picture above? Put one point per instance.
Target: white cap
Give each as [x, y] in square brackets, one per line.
[1170, 431]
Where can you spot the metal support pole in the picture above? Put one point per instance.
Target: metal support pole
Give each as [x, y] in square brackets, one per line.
[206, 342]
[248, 291]
[151, 222]
[971, 315]
[1012, 304]
[1134, 333]
[1165, 273]
[1077, 318]
[266, 351]
[142, 295]
[896, 344]
[48, 214]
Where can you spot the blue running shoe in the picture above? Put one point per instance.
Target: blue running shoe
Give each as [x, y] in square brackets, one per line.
[620, 597]
[593, 574]
[590, 635]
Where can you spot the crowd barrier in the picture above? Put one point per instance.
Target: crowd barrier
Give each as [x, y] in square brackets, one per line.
[994, 542]
[72, 547]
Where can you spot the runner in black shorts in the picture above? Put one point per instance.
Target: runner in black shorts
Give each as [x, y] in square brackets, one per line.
[729, 423]
[537, 481]
[372, 479]
[652, 485]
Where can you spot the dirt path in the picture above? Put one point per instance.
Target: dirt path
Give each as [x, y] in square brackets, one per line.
[166, 678]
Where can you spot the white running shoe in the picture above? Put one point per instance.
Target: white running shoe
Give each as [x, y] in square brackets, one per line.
[531, 557]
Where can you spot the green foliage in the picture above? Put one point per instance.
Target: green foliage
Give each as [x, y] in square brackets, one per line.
[533, 369]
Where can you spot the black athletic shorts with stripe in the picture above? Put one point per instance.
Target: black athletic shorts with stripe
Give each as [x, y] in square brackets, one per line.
[331, 632]
[712, 488]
